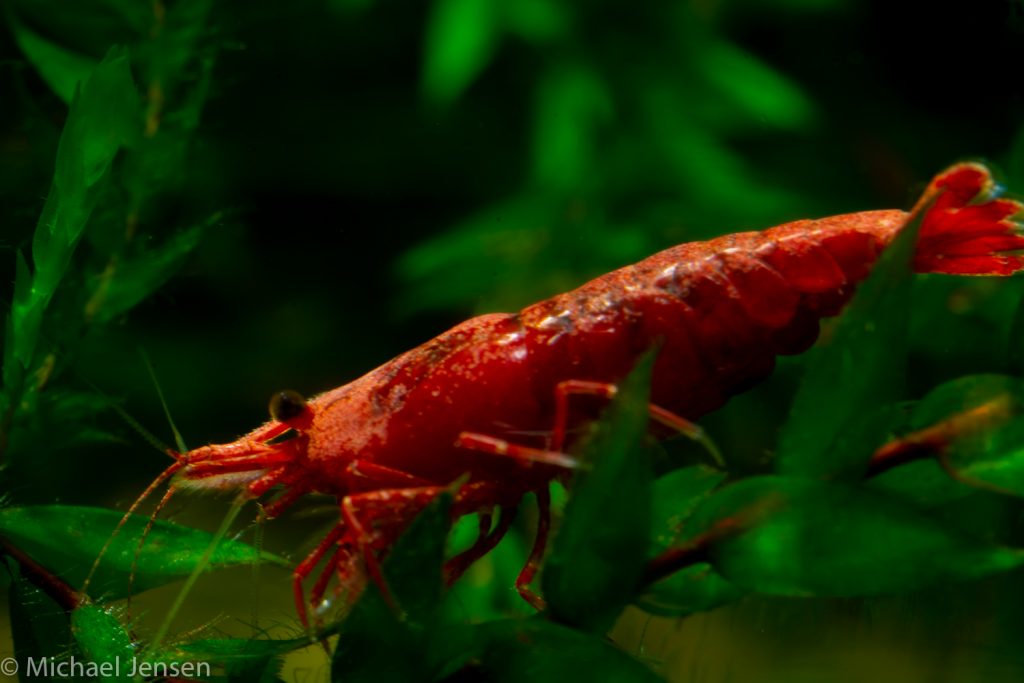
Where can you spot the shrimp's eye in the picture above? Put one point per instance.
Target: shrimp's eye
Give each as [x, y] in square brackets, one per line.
[287, 405]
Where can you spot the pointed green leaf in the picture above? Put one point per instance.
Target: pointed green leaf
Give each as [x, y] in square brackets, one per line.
[137, 278]
[103, 117]
[537, 20]
[461, 39]
[975, 426]
[572, 101]
[104, 642]
[373, 632]
[697, 588]
[833, 433]
[62, 69]
[766, 95]
[922, 483]
[676, 495]
[68, 539]
[599, 553]
[813, 538]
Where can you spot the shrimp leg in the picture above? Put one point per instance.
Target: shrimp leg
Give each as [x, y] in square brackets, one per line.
[305, 568]
[528, 456]
[485, 542]
[554, 455]
[540, 543]
[362, 475]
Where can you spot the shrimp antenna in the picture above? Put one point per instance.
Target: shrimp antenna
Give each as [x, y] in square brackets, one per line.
[142, 540]
[178, 441]
[160, 479]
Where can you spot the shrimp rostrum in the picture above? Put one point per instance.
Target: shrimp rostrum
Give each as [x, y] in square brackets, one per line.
[490, 403]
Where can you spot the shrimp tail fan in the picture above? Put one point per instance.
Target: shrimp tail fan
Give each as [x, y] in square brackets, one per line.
[969, 230]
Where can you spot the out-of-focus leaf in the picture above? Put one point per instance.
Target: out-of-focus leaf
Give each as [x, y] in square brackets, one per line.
[571, 102]
[373, 632]
[975, 426]
[693, 589]
[537, 20]
[103, 117]
[676, 495]
[922, 483]
[543, 652]
[103, 641]
[516, 252]
[804, 537]
[598, 555]
[703, 165]
[87, 27]
[69, 539]
[832, 433]
[1015, 350]
[767, 96]
[461, 39]
[133, 281]
[62, 69]
[697, 588]
[62, 408]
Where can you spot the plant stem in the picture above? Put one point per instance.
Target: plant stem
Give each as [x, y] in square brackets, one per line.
[64, 595]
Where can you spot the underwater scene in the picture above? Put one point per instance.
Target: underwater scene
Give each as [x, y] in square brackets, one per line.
[512, 340]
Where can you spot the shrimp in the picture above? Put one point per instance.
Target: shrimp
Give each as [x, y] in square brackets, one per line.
[493, 402]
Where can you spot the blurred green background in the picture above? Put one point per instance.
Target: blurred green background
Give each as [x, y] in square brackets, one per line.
[367, 173]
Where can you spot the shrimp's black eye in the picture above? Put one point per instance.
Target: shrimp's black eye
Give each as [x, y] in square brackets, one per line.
[287, 405]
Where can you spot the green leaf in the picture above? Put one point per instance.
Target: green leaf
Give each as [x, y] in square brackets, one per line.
[922, 483]
[89, 26]
[676, 495]
[461, 39]
[68, 539]
[103, 117]
[975, 426]
[599, 553]
[540, 651]
[697, 588]
[767, 96]
[104, 642]
[804, 537]
[374, 632]
[830, 432]
[135, 279]
[62, 69]
[693, 589]
[537, 20]
[572, 101]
